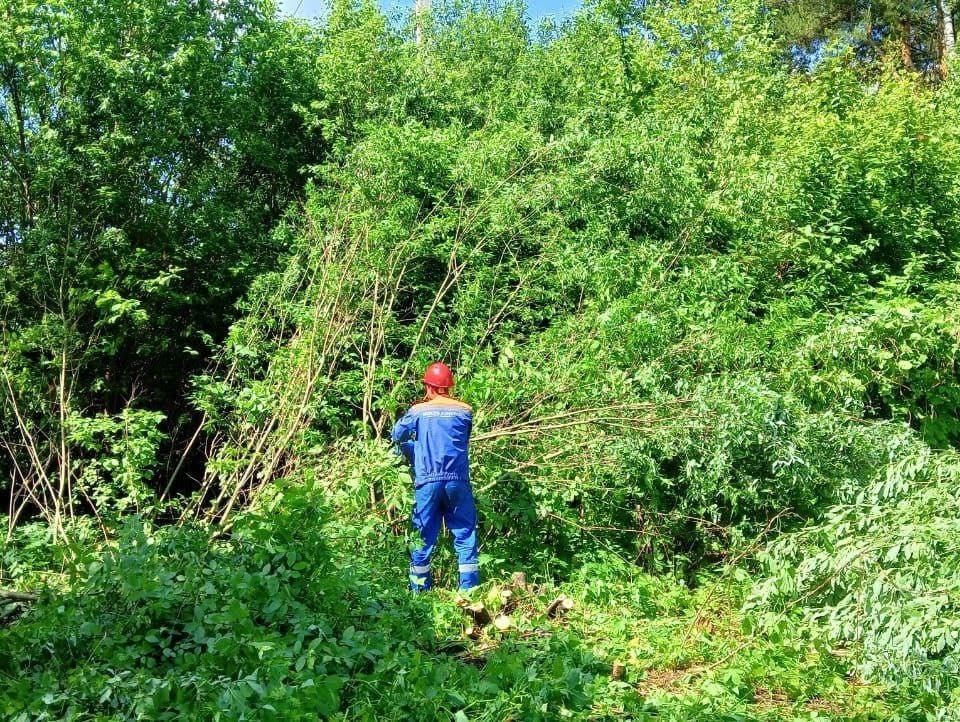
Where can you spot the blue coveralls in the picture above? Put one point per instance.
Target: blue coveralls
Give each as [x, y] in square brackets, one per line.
[433, 436]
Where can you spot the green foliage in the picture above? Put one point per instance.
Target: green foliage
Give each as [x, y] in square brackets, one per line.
[146, 149]
[700, 303]
[879, 575]
[899, 353]
[123, 456]
[298, 615]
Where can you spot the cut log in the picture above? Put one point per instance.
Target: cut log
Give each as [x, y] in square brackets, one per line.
[478, 613]
[518, 580]
[559, 606]
[473, 632]
[618, 671]
[503, 623]
[508, 600]
[15, 596]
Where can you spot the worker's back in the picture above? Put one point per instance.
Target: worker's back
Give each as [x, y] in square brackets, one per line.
[440, 432]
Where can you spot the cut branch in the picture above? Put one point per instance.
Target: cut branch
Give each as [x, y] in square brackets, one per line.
[15, 596]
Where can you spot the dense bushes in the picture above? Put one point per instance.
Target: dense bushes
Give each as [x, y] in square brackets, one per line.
[678, 311]
[698, 301]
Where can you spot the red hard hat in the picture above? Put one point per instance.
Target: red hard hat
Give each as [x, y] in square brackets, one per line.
[439, 376]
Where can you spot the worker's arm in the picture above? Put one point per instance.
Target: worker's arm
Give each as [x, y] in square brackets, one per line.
[403, 433]
[405, 428]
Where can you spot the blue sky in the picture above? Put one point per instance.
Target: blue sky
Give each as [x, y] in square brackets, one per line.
[537, 8]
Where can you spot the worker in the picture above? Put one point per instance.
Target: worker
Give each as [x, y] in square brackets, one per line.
[433, 436]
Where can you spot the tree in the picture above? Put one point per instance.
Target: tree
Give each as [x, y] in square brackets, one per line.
[920, 34]
[146, 150]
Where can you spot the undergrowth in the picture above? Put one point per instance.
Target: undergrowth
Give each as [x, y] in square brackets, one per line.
[290, 619]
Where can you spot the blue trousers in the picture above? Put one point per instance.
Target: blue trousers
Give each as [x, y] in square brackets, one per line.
[450, 502]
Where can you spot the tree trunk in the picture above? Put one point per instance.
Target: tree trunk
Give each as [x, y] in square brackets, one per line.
[23, 171]
[421, 8]
[906, 54]
[15, 596]
[947, 37]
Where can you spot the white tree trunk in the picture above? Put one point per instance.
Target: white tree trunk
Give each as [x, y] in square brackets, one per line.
[949, 38]
[421, 8]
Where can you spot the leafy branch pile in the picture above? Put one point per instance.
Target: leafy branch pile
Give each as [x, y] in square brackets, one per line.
[702, 294]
